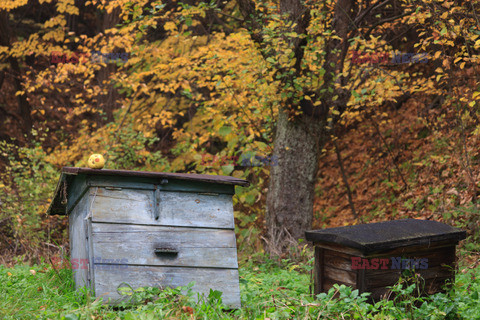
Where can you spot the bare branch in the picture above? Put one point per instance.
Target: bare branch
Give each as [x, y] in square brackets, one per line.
[344, 177]
[367, 11]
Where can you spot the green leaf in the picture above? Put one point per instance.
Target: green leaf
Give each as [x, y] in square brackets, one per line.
[225, 130]
[250, 199]
[271, 60]
[227, 170]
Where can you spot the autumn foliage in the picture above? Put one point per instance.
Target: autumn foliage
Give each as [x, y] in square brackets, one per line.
[195, 84]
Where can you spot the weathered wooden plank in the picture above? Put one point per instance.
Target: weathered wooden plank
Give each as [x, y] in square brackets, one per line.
[176, 208]
[377, 278]
[318, 270]
[156, 175]
[198, 237]
[135, 244]
[360, 279]
[417, 249]
[340, 248]
[197, 186]
[77, 187]
[438, 258]
[349, 277]
[90, 252]
[225, 280]
[78, 243]
[338, 260]
[164, 184]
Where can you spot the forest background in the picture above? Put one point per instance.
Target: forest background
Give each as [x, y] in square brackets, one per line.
[197, 86]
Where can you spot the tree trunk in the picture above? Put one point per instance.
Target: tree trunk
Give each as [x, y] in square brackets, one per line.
[291, 191]
[298, 142]
[24, 108]
[108, 102]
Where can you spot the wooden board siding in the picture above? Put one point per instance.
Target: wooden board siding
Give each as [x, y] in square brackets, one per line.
[338, 260]
[78, 242]
[162, 184]
[225, 280]
[135, 244]
[75, 192]
[343, 276]
[134, 206]
[395, 252]
[318, 271]
[150, 229]
[428, 241]
[336, 267]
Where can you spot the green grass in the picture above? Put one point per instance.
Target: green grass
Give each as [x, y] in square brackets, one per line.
[268, 291]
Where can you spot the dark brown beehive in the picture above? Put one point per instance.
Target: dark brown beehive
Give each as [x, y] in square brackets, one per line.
[371, 257]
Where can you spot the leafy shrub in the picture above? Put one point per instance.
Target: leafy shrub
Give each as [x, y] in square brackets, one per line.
[27, 185]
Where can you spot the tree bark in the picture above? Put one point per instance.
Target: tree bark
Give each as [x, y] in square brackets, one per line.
[292, 183]
[108, 102]
[24, 108]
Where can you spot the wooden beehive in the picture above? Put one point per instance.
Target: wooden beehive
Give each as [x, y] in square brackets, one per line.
[133, 228]
[371, 257]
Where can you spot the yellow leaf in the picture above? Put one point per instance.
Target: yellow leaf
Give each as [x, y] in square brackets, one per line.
[170, 26]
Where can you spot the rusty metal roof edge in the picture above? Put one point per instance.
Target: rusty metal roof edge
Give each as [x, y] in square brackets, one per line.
[149, 174]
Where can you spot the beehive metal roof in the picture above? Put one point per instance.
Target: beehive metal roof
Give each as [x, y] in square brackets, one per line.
[373, 237]
[57, 207]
